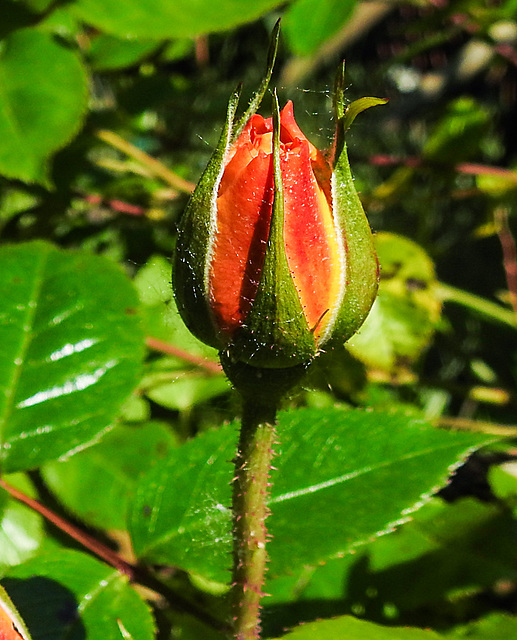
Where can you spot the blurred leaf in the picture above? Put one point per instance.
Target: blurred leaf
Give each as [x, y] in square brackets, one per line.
[21, 529]
[165, 19]
[107, 53]
[42, 104]
[97, 484]
[503, 482]
[308, 23]
[68, 594]
[457, 136]
[354, 629]
[177, 385]
[173, 382]
[72, 348]
[496, 626]
[404, 316]
[153, 283]
[326, 475]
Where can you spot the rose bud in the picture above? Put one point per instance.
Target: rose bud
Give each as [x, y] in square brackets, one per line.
[275, 259]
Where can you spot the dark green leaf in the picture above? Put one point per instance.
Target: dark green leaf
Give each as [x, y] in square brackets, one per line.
[446, 550]
[72, 348]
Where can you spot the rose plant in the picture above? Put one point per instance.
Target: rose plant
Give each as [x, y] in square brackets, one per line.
[274, 261]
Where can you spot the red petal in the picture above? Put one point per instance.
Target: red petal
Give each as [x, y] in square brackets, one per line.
[243, 217]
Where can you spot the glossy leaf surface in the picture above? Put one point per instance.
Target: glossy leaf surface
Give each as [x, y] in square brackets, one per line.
[343, 477]
[72, 349]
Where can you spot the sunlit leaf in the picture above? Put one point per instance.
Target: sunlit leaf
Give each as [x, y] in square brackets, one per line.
[72, 348]
[343, 477]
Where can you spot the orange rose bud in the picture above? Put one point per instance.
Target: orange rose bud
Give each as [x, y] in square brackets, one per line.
[275, 258]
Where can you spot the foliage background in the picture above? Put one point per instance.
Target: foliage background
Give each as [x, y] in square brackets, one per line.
[85, 88]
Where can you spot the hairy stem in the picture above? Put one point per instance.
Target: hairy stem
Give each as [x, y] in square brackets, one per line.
[250, 493]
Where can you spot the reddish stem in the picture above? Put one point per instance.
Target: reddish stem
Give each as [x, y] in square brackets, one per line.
[87, 541]
[213, 368]
[509, 253]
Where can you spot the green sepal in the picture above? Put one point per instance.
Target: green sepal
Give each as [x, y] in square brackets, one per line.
[361, 265]
[275, 333]
[258, 96]
[195, 236]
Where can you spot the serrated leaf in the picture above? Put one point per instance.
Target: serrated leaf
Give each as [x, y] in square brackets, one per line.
[354, 629]
[165, 19]
[445, 550]
[72, 349]
[42, 102]
[97, 484]
[66, 594]
[343, 477]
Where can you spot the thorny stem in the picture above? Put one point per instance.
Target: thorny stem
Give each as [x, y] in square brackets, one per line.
[250, 493]
[135, 573]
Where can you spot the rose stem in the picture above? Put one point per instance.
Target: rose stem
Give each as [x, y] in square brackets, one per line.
[250, 493]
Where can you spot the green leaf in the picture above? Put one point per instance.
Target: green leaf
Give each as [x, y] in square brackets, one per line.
[366, 471]
[67, 594]
[496, 626]
[308, 23]
[97, 484]
[21, 529]
[72, 349]
[165, 19]
[42, 102]
[406, 312]
[7, 609]
[354, 629]
[446, 550]
[107, 53]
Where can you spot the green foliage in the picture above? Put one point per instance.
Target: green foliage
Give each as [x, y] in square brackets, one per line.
[118, 426]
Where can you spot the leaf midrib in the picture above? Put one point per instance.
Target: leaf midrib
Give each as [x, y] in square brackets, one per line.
[25, 342]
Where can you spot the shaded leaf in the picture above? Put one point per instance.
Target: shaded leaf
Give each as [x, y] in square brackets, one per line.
[444, 551]
[67, 594]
